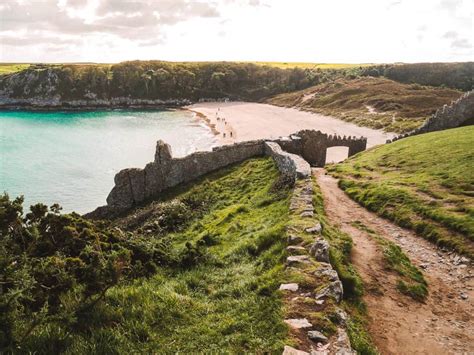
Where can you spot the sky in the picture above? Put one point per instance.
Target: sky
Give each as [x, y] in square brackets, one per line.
[331, 31]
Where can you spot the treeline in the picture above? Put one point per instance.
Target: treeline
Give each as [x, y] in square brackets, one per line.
[451, 75]
[159, 80]
[207, 80]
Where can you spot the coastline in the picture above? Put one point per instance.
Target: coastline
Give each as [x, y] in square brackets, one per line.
[250, 121]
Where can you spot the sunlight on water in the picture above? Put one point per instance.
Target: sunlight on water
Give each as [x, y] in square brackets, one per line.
[71, 158]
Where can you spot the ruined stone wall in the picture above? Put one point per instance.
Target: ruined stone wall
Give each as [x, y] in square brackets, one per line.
[134, 186]
[288, 163]
[292, 154]
[458, 113]
[312, 145]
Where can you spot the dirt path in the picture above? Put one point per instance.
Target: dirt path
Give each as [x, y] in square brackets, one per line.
[444, 324]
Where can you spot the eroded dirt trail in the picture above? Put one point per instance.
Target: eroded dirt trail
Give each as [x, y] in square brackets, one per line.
[399, 325]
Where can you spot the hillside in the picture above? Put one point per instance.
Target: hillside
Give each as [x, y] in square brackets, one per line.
[425, 183]
[373, 102]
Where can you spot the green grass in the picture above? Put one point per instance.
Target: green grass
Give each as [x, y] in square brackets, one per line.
[411, 281]
[425, 183]
[7, 68]
[340, 255]
[223, 299]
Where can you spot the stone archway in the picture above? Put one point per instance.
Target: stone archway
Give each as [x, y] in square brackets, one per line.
[336, 154]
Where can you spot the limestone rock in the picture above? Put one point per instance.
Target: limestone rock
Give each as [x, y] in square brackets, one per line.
[289, 287]
[299, 323]
[333, 290]
[288, 350]
[316, 336]
[294, 239]
[316, 229]
[307, 214]
[297, 260]
[320, 250]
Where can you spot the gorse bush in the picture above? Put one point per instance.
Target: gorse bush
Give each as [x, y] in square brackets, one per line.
[54, 267]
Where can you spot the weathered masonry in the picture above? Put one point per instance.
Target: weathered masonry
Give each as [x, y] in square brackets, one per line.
[312, 145]
[458, 113]
[293, 156]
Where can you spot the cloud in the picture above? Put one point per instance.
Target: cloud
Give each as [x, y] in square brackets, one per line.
[450, 35]
[132, 20]
[461, 43]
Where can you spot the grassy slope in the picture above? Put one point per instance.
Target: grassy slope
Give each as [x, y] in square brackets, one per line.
[424, 182]
[226, 300]
[6, 68]
[397, 107]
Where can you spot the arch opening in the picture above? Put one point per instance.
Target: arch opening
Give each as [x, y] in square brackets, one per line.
[336, 154]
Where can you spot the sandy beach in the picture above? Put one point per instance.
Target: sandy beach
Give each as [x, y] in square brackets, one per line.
[242, 121]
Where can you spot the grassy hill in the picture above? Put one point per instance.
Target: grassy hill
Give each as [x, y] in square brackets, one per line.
[425, 183]
[373, 102]
[197, 272]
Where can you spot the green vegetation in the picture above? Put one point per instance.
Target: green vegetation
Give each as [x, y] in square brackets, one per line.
[340, 255]
[452, 75]
[6, 68]
[289, 65]
[425, 183]
[373, 102]
[157, 80]
[196, 272]
[411, 281]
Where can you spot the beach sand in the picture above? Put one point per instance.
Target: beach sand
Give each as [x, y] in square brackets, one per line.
[242, 121]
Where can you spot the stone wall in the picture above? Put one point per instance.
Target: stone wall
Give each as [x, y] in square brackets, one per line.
[312, 145]
[288, 163]
[135, 186]
[458, 113]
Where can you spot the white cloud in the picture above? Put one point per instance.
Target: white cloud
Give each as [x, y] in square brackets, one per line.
[276, 30]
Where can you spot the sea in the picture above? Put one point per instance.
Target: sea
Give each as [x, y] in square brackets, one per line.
[71, 158]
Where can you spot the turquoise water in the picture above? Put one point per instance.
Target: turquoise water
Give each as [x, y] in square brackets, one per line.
[71, 157]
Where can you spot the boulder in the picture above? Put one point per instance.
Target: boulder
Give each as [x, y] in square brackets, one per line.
[299, 323]
[317, 337]
[320, 250]
[289, 287]
[333, 290]
[316, 229]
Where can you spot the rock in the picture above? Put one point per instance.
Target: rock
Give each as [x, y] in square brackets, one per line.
[464, 296]
[316, 229]
[288, 350]
[317, 337]
[300, 323]
[331, 274]
[296, 250]
[297, 260]
[342, 345]
[333, 290]
[289, 287]
[341, 317]
[307, 214]
[424, 266]
[294, 239]
[320, 250]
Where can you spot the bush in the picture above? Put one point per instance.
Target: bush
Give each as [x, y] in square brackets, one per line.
[53, 266]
